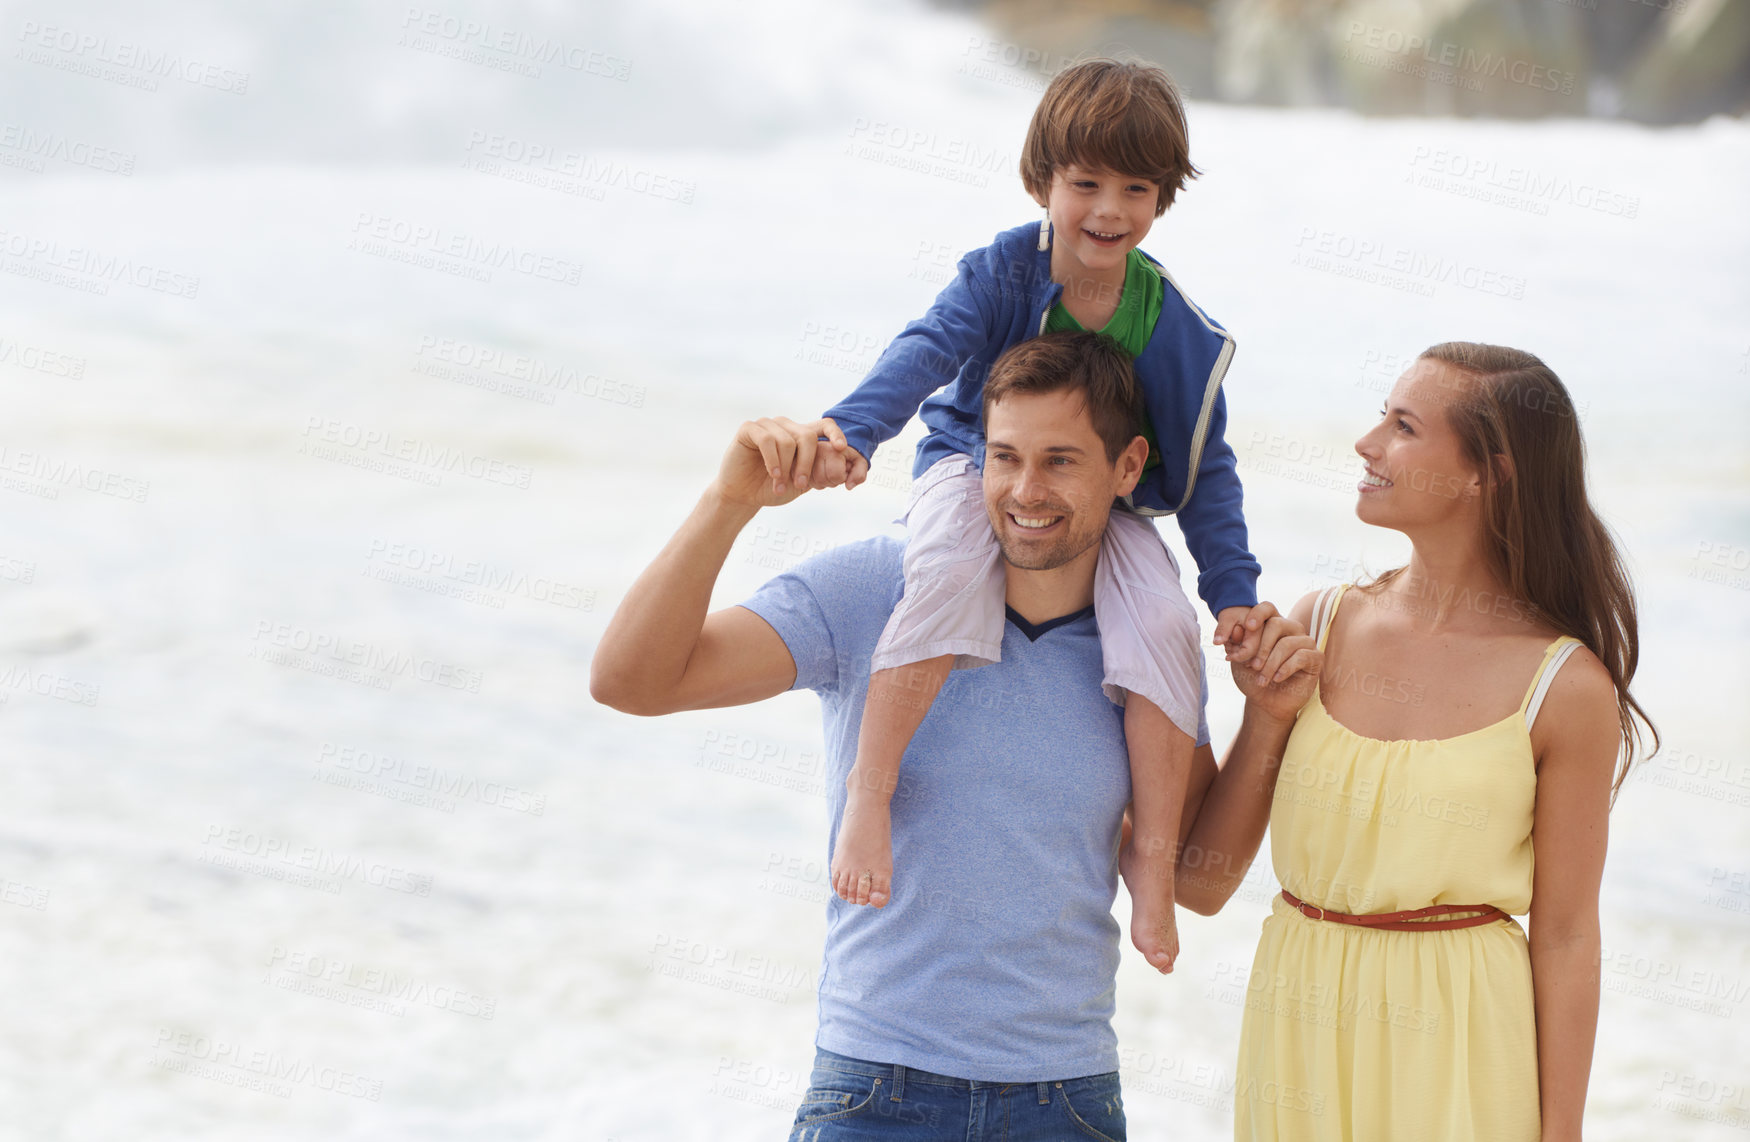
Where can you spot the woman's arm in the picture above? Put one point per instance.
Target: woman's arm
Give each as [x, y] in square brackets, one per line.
[1575, 740]
[1234, 812]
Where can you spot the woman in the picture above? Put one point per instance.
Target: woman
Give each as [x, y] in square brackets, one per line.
[1449, 760]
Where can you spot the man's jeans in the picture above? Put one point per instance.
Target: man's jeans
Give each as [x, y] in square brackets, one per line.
[849, 1100]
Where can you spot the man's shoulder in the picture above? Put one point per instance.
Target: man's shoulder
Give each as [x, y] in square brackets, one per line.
[864, 571]
[830, 609]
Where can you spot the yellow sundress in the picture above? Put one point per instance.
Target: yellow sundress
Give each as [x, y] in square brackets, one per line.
[1353, 1034]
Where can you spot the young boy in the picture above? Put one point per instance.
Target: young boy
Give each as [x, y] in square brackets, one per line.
[1105, 154]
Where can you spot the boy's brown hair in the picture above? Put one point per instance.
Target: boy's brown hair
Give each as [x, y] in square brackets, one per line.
[1073, 359]
[1103, 114]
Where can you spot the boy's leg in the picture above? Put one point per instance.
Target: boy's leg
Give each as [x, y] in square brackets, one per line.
[1151, 645]
[1160, 766]
[862, 860]
[951, 615]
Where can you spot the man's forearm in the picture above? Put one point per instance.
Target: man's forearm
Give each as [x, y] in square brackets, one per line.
[644, 652]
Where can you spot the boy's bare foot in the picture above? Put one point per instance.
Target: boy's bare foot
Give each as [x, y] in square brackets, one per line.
[862, 861]
[1154, 929]
[1155, 932]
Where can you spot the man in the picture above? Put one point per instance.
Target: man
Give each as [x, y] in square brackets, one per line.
[980, 999]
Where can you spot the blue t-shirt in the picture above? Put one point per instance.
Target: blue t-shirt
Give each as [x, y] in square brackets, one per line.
[997, 957]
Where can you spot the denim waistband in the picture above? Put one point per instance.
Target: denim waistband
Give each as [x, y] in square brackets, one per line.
[837, 1062]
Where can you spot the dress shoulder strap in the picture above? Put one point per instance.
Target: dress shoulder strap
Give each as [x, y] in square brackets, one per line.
[1553, 657]
[1324, 610]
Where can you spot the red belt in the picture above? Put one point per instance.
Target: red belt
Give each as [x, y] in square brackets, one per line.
[1414, 920]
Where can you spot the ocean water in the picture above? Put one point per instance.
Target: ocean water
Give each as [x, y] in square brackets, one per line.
[338, 424]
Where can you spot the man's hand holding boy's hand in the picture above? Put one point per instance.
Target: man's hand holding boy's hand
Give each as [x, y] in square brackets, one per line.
[775, 459]
[838, 464]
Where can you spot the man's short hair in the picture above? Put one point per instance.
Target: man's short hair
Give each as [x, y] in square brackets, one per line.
[1102, 114]
[1092, 363]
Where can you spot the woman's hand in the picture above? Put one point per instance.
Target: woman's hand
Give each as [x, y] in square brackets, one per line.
[1282, 675]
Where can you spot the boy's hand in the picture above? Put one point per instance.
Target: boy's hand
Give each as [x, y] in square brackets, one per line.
[1238, 629]
[856, 468]
[836, 463]
[1289, 665]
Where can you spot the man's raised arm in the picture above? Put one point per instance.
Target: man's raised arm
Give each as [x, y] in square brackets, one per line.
[661, 651]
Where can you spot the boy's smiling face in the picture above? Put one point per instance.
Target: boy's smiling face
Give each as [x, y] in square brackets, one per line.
[1097, 218]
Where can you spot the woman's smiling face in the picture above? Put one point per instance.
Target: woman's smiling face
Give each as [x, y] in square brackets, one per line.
[1416, 472]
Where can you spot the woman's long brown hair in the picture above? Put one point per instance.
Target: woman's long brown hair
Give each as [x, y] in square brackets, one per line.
[1541, 537]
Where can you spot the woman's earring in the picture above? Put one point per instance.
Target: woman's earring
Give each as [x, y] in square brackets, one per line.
[1045, 232]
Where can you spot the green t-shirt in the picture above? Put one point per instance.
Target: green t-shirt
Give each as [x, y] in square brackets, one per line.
[1132, 324]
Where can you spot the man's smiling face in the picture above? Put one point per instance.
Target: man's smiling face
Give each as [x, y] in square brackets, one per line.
[1048, 486]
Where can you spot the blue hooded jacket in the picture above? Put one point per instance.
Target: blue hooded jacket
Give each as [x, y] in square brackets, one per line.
[1000, 297]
